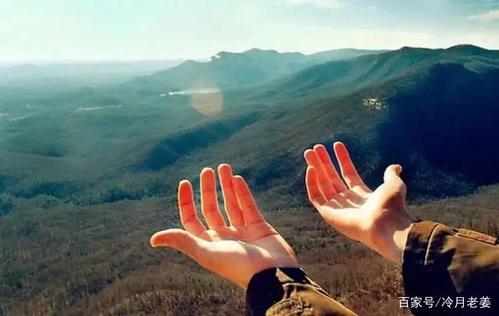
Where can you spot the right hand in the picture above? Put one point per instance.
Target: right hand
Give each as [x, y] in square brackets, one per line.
[236, 251]
[377, 219]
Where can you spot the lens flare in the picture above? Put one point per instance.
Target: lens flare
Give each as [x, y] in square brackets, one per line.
[206, 98]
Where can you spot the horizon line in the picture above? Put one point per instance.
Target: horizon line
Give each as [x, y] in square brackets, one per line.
[68, 61]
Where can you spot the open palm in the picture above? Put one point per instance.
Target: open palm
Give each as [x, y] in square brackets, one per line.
[236, 251]
[348, 205]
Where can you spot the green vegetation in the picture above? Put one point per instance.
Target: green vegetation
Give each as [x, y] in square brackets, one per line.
[88, 173]
[237, 70]
[6, 204]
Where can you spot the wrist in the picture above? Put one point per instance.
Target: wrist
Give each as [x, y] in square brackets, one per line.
[284, 264]
[400, 240]
[390, 239]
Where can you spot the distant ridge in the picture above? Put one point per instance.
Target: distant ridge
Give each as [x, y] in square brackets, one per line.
[229, 70]
[350, 74]
[81, 72]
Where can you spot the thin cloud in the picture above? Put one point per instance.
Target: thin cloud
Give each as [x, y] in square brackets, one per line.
[321, 4]
[491, 16]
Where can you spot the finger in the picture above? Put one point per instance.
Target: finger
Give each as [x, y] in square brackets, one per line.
[187, 207]
[329, 168]
[331, 210]
[185, 242]
[348, 170]
[343, 221]
[209, 201]
[315, 195]
[392, 173]
[356, 199]
[392, 178]
[343, 201]
[230, 199]
[250, 211]
[312, 160]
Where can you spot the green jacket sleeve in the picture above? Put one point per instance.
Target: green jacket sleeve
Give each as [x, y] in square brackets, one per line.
[289, 291]
[450, 271]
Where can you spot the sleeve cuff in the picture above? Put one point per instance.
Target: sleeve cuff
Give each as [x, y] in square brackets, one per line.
[266, 287]
[415, 257]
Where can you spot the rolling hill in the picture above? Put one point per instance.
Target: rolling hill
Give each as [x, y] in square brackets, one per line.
[131, 139]
[228, 70]
[87, 174]
[436, 115]
[345, 76]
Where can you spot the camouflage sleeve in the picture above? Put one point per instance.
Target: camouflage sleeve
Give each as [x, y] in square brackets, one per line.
[450, 271]
[289, 291]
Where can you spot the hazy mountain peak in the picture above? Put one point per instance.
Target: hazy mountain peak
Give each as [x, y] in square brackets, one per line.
[230, 70]
[223, 55]
[460, 49]
[412, 49]
[342, 53]
[270, 52]
[467, 48]
[260, 51]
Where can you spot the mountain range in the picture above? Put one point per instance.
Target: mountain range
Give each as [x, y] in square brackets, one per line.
[228, 70]
[89, 165]
[436, 114]
[78, 73]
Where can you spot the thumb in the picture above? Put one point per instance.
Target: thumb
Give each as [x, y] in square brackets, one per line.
[393, 181]
[392, 173]
[183, 241]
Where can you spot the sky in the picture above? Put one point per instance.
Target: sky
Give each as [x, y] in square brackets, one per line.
[34, 30]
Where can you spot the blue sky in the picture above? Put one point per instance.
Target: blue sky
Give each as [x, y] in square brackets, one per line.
[167, 29]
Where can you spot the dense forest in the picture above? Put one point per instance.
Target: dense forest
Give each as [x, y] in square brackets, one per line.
[88, 169]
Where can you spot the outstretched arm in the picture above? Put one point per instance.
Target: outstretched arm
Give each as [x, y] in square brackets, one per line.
[438, 262]
[247, 250]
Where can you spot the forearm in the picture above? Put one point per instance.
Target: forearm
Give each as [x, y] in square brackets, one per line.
[289, 291]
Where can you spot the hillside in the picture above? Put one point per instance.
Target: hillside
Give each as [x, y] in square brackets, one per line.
[345, 76]
[436, 115]
[87, 174]
[342, 53]
[95, 259]
[228, 70]
[137, 143]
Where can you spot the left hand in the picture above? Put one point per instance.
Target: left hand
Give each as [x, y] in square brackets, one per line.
[378, 218]
[236, 251]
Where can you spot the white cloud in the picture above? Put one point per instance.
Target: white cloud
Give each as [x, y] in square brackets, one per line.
[491, 16]
[322, 4]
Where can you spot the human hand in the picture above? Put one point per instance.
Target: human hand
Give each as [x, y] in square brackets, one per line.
[237, 251]
[377, 219]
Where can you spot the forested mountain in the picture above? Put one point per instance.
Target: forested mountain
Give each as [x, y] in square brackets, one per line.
[340, 77]
[87, 173]
[228, 70]
[432, 110]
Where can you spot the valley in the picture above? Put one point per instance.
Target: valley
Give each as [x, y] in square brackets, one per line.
[88, 172]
